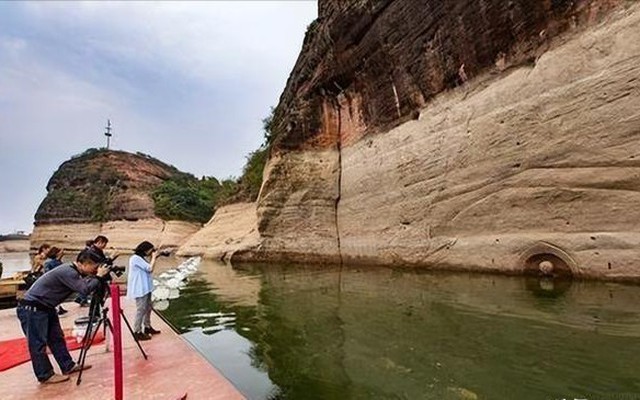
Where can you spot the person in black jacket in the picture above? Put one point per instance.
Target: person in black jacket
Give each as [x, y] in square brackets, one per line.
[39, 318]
[96, 246]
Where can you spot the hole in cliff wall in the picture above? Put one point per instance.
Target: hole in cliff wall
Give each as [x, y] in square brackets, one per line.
[549, 269]
[547, 260]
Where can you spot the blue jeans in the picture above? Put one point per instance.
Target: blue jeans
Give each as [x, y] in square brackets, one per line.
[42, 329]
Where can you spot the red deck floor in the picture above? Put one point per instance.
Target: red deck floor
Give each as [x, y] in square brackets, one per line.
[173, 369]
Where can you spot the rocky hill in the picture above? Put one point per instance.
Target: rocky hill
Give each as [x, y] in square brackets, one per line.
[100, 186]
[485, 135]
[107, 192]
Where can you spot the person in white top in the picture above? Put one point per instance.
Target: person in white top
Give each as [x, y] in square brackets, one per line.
[140, 286]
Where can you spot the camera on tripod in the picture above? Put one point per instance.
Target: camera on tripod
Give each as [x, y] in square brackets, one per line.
[117, 270]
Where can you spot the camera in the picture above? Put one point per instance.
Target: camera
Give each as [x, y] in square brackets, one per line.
[164, 253]
[117, 270]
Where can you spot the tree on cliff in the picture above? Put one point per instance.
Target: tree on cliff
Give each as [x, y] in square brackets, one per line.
[186, 198]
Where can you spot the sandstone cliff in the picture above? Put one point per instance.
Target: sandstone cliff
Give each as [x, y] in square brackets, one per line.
[108, 193]
[484, 135]
[233, 228]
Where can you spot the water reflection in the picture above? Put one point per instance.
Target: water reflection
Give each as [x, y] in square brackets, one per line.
[547, 287]
[360, 333]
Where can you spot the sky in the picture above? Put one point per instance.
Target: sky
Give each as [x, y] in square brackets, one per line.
[186, 82]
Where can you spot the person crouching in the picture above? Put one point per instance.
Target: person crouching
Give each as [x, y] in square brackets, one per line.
[140, 286]
[39, 318]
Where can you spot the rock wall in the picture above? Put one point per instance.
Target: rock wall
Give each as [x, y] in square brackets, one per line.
[297, 208]
[233, 228]
[480, 135]
[544, 154]
[123, 236]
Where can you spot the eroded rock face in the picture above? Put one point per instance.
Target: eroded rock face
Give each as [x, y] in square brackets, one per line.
[460, 134]
[102, 186]
[376, 63]
[232, 229]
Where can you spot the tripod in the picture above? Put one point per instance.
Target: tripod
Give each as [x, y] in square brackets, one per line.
[98, 312]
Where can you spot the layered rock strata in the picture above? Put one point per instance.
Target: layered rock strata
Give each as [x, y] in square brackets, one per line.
[233, 228]
[123, 236]
[479, 135]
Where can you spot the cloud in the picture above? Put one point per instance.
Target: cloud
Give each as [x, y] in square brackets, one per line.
[185, 82]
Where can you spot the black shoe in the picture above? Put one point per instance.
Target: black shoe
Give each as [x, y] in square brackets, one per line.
[140, 336]
[151, 331]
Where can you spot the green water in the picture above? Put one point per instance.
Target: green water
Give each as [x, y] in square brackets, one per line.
[287, 332]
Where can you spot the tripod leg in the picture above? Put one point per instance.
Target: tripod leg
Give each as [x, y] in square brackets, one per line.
[126, 321]
[88, 340]
[107, 324]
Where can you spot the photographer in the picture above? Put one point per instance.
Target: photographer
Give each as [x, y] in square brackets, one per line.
[140, 286]
[96, 246]
[39, 319]
[54, 259]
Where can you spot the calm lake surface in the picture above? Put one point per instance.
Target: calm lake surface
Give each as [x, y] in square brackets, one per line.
[14, 262]
[292, 332]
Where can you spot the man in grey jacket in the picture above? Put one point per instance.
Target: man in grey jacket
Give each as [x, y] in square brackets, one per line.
[39, 318]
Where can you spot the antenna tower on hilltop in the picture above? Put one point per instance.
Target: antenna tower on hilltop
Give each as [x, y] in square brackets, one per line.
[107, 132]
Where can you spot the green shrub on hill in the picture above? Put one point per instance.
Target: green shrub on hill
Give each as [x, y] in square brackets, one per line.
[186, 198]
[251, 180]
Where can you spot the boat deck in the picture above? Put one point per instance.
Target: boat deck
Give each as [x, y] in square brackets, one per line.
[174, 369]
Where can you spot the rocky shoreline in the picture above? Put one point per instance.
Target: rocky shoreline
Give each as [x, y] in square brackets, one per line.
[14, 246]
[123, 236]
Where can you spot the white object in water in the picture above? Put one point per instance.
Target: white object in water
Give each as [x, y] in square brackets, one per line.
[174, 294]
[165, 275]
[161, 293]
[161, 305]
[172, 283]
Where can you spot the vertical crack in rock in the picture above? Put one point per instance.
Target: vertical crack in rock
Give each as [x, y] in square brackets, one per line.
[337, 203]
